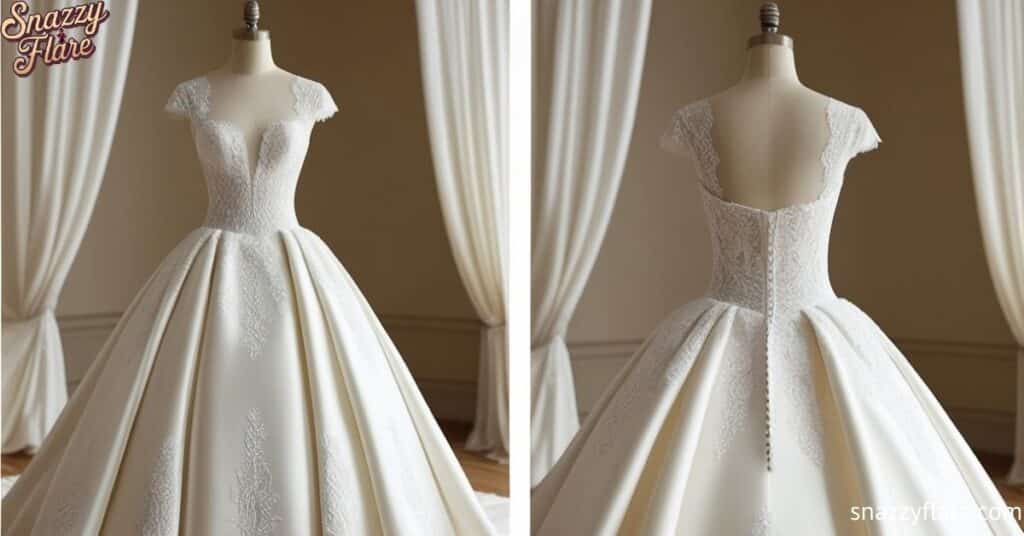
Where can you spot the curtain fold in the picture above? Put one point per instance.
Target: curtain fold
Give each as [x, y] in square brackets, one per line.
[585, 102]
[464, 60]
[992, 64]
[59, 124]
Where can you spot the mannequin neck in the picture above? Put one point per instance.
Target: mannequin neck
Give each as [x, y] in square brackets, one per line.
[251, 57]
[770, 63]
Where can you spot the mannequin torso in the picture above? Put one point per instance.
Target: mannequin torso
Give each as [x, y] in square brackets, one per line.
[251, 92]
[769, 132]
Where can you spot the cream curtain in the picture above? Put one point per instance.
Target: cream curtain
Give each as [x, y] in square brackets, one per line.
[588, 65]
[58, 127]
[992, 63]
[464, 59]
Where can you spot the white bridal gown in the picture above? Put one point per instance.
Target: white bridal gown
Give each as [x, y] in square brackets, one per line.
[770, 406]
[249, 389]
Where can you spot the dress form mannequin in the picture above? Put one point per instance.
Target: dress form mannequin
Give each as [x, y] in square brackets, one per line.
[769, 129]
[250, 91]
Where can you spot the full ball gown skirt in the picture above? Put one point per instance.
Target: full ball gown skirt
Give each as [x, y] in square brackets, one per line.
[249, 389]
[771, 406]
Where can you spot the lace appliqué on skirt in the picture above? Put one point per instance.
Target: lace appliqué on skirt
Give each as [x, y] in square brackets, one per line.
[255, 496]
[334, 500]
[160, 511]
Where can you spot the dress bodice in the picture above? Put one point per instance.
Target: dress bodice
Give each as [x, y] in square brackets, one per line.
[769, 260]
[245, 198]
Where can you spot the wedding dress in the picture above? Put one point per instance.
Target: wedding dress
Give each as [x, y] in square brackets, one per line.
[770, 406]
[249, 389]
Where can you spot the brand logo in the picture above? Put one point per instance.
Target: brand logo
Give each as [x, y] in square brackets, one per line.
[46, 36]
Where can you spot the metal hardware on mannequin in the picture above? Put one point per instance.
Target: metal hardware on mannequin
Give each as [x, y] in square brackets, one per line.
[770, 35]
[251, 17]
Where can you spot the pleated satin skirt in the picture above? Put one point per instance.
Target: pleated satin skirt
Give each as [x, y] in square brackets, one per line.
[715, 429]
[249, 389]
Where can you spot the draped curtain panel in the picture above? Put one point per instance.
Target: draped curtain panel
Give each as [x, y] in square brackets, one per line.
[588, 65]
[58, 127]
[464, 59]
[992, 61]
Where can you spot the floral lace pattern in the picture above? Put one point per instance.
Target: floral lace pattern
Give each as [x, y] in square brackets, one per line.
[190, 98]
[762, 522]
[160, 510]
[739, 376]
[261, 199]
[661, 363]
[68, 519]
[334, 499]
[255, 496]
[690, 133]
[774, 262]
[738, 253]
[262, 288]
[312, 100]
[255, 203]
[64, 521]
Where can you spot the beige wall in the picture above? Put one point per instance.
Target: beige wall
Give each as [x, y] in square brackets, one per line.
[906, 245]
[367, 186]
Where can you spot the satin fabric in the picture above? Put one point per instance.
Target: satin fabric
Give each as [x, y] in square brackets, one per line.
[647, 461]
[249, 389]
[176, 429]
[771, 406]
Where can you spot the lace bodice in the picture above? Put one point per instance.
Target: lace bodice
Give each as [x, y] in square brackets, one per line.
[261, 199]
[770, 259]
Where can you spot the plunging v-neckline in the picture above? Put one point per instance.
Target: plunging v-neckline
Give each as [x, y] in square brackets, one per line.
[252, 167]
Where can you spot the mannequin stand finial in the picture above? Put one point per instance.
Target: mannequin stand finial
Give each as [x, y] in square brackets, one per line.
[251, 18]
[770, 16]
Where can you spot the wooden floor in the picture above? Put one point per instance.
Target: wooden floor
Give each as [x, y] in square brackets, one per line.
[997, 467]
[484, 474]
[14, 464]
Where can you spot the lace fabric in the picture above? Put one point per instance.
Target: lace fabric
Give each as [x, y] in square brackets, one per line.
[690, 134]
[768, 388]
[255, 496]
[795, 238]
[262, 199]
[204, 411]
[774, 262]
[161, 510]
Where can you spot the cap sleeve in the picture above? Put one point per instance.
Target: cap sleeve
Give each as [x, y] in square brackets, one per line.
[866, 138]
[177, 104]
[189, 99]
[673, 139]
[312, 100]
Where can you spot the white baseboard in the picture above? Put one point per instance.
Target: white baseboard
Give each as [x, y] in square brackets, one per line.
[960, 374]
[450, 390]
